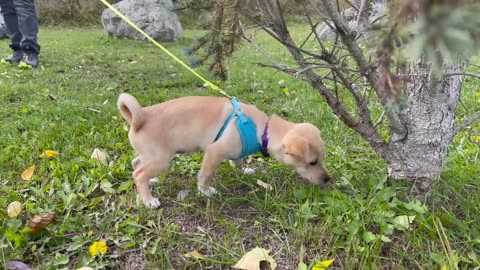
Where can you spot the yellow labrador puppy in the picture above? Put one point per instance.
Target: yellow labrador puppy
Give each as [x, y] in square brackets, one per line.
[193, 124]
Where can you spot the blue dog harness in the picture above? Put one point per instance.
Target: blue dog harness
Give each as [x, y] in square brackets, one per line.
[247, 130]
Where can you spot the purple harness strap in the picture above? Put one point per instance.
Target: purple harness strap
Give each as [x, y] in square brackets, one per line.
[264, 149]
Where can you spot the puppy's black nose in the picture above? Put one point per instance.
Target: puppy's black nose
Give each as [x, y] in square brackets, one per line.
[327, 179]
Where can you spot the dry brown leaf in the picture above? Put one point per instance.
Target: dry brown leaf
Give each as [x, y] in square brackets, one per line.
[252, 259]
[40, 221]
[28, 173]
[100, 156]
[195, 254]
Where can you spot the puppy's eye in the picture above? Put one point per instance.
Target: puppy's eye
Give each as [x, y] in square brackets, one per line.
[313, 163]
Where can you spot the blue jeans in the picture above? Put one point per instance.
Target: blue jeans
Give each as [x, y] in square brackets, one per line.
[21, 21]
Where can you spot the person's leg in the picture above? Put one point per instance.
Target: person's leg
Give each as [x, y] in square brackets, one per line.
[28, 25]
[11, 22]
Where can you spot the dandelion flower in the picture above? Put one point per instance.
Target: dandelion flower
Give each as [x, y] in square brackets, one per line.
[98, 247]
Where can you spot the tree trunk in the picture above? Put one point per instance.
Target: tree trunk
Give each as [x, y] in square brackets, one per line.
[429, 121]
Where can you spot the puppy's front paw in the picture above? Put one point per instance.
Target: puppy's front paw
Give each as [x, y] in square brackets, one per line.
[152, 203]
[207, 191]
[248, 171]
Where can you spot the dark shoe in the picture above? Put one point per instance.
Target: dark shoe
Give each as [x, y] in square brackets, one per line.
[15, 58]
[30, 59]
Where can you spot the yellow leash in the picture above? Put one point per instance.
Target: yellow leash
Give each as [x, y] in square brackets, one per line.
[213, 86]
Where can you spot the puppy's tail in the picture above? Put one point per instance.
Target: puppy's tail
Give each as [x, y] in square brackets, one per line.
[131, 111]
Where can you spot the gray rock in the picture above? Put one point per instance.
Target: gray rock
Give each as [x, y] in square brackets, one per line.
[155, 17]
[3, 28]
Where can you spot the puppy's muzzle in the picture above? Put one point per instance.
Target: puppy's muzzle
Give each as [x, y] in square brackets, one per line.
[327, 179]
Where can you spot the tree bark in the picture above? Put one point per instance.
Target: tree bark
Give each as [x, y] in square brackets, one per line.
[429, 121]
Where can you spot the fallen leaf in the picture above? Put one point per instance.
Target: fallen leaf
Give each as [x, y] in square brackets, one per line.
[16, 265]
[195, 254]
[264, 185]
[302, 266]
[322, 265]
[49, 153]
[251, 260]
[40, 221]
[100, 156]
[28, 173]
[14, 209]
[182, 195]
[403, 222]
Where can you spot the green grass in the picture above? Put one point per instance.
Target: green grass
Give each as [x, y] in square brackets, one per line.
[68, 105]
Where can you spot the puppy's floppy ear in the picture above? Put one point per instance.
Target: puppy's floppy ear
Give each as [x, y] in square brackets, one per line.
[297, 147]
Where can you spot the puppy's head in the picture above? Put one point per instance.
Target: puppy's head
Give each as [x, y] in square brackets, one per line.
[303, 150]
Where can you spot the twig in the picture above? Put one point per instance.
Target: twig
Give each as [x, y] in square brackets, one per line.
[279, 68]
[259, 49]
[366, 69]
[94, 110]
[379, 119]
[466, 123]
[352, 5]
[474, 75]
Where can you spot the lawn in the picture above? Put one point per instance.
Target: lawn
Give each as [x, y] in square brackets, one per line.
[69, 105]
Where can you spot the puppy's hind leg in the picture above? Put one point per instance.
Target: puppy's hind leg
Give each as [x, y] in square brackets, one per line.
[143, 172]
[135, 163]
[214, 155]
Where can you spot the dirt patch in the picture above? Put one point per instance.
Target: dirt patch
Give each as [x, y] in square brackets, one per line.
[227, 241]
[133, 260]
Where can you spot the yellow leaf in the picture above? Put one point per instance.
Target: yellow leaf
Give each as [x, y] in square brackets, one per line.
[444, 267]
[28, 173]
[195, 254]
[322, 265]
[49, 153]
[14, 209]
[251, 260]
[477, 94]
[100, 156]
